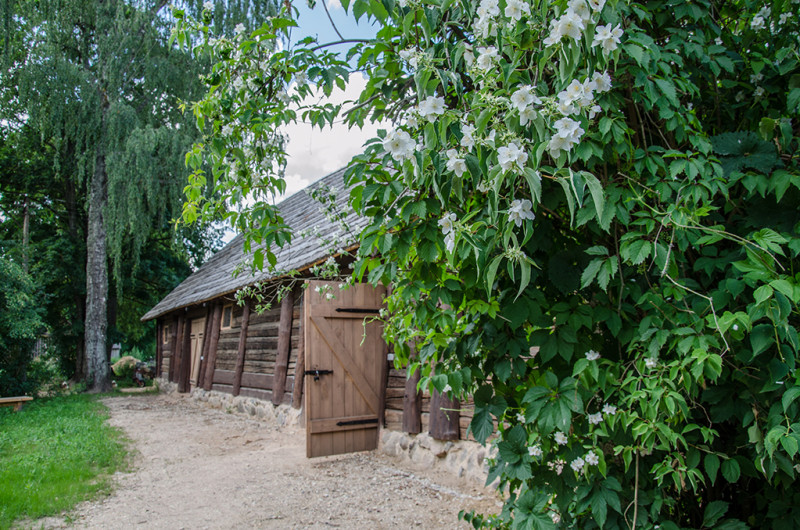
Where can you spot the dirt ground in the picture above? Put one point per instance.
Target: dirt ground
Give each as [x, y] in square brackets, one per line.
[196, 467]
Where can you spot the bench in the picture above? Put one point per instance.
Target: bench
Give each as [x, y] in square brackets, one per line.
[15, 402]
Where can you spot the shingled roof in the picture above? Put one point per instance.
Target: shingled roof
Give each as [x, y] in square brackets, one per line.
[303, 214]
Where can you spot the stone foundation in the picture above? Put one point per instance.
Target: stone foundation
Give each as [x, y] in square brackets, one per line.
[462, 458]
[283, 415]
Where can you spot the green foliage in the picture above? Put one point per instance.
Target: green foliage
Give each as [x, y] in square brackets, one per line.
[54, 454]
[20, 325]
[608, 265]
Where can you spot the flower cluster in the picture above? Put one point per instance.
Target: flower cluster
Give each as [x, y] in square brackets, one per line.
[399, 144]
[448, 224]
[523, 100]
[511, 157]
[572, 23]
[520, 210]
[431, 107]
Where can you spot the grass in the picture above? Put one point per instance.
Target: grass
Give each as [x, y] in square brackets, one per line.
[54, 454]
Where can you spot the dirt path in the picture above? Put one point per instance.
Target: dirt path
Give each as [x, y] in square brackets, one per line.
[203, 468]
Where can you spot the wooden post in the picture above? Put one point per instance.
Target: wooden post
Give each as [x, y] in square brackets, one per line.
[300, 363]
[211, 362]
[444, 417]
[412, 405]
[176, 347]
[186, 357]
[204, 350]
[237, 377]
[284, 347]
[159, 345]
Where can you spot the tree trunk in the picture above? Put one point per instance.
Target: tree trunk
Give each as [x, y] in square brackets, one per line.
[97, 376]
[79, 301]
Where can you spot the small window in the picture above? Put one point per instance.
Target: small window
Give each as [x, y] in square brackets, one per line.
[227, 317]
[164, 333]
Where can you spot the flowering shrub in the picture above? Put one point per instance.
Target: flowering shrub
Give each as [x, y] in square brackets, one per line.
[590, 215]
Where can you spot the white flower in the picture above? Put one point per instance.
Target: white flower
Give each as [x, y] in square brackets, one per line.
[410, 57]
[566, 109]
[595, 418]
[510, 156]
[609, 409]
[450, 241]
[581, 8]
[239, 29]
[602, 82]
[227, 129]
[554, 515]
[486, 57]
[535, 450]
[431, 107]
[329, 296]
[467, 140]
[651, 362]
[208, 5]
[301, 78]
[557, 465]
[399, 144]
[527, 115]
[574, 92]
[571, 25]
[521, 417]
[591, 458]
[758, 23]
[594, 110]
[447, 223]
[524, 97]
[447, 388]
[765, 12]
[520, 210]
[739, 96]
[516, 8]
[755, 78]
[607, 37]
[283, 97]
[455, 164]
[568, 128]
[597, 5]
[759, 91]
[557, 144]
[560, 438]
[785, 17]
[718, 41]
[735, 327]
[592, 355]
[577, 465]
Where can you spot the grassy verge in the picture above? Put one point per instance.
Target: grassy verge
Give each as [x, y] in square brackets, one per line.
[53, 454]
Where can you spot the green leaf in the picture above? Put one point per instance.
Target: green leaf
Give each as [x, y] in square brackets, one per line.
[481, 425]
[731, 470]
[714, 511]
[761, 337]
[711, 463]
[789, 396]
[590, 273]
[599, 509]
[596, 189]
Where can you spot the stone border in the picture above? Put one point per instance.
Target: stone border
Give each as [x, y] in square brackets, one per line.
[283, 415]
[462, 458]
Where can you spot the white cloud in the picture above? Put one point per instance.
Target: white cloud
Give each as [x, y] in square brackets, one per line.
[334, 5]
[314, 153]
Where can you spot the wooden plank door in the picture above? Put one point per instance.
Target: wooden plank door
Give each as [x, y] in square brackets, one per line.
[345, 358]
[196, 348]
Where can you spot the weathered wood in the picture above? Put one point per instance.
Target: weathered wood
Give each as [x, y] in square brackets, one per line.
[284, 346]
[211, 363]
[16, 402]
[444, 417]
[177, 353]
[186, 357]
[159, 345]
[299, 367]
[201, 379]
[173, 346]
[412, 405]
[237, 377]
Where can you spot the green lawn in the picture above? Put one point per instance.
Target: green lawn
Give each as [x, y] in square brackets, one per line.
[53, 454]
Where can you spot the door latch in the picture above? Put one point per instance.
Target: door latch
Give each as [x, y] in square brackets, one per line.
[317, 373]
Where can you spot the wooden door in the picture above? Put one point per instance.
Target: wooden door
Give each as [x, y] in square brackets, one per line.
[345, 361]
[196, 348]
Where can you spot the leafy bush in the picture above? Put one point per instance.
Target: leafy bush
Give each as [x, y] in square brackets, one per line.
[20, 325]
[589, 213]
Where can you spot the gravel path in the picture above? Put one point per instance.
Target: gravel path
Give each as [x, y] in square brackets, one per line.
[197, 467]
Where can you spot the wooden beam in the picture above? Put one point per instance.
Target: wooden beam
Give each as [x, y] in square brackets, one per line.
[211, 362]
[412, 405]
[444, 417]
[201, 376]
[159, 345]
[284, 347]
[173, 347]
[237, 378]
[186, 357]
[300, 363]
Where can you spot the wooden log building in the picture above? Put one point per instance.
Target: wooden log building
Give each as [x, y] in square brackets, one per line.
[321, 349]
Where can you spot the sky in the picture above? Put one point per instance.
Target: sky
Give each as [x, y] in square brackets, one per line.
[314, 153]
